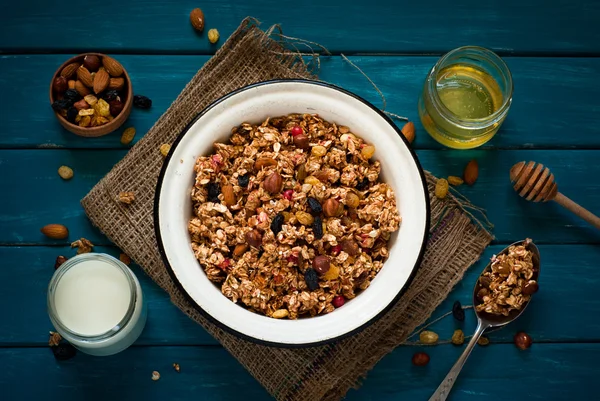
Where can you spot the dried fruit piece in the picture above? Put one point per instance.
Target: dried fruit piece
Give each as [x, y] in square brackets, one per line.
[83, 246]
[72, 95]
[321, 264]
[244, 180]
[142, 102]
[59, 261]
[228, 195]
[318, 150]
[318, 227]
[126, 197]
[273, 183]
[420, 359]
[296, 130]
[301, 173]
[72, 114]
[338, 301]
[112, 66]
[102, 108]
[441, 188]
[314, 205]
[458, 337]
[454, 180]
[86, 112]
[263, 162]
[522, 340]
[280, 313]
[176, 367]
[362, 185]
[428, 337]
[90, 99]
[84, 75]
[312, 180]
[333, 273]
[213, 36]
[352, 200]
[409, 131]
[253, 238]
[127, 136]
[116, 106]
[288, 194]
[66, 173]
[304, 218]
[240, 249]
[367, 152]
[483, 341]
[85, 121]
[82, 104]
[55, 231]
[458, 312]
[60, 84]
[64, 351]
[55, 339]
[277, 223]
[197, 19]
[116, 83]
[69, 70]
[123, 257]
[350, 247]
[155, 375]
[471, 172]
[101, 81]
[311, 279]
[214, 191]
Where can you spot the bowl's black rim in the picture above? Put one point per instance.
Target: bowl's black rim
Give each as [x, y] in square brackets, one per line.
[245, 336]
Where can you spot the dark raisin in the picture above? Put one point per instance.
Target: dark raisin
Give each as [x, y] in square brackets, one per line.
[318, 227]
[110, 95]
[277, 223]
[213, 192]
[458, 312]
[361, 186]
[72, 95]
[71, 114]
[349, 157]
[312, 280]
[244, 180]
[315, 206]
[64, 351]
[142, 102]
[61, 104]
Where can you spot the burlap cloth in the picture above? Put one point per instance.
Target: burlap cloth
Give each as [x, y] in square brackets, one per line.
[318, 373]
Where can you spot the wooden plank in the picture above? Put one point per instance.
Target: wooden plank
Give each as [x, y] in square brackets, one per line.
[556, 314]
[554, 100]
[38, 196]
[377, 26]
[497, 372]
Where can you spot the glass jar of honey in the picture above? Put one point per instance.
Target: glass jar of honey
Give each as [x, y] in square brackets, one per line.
[466, 97]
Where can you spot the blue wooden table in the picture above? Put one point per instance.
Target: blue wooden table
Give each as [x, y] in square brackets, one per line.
[552, 49]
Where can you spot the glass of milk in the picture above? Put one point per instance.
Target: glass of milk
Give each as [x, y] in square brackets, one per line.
[95, 302]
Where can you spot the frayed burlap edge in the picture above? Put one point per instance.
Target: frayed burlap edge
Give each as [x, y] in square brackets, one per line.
[325, 372]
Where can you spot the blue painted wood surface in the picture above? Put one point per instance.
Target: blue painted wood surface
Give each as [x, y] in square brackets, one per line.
[552, 50]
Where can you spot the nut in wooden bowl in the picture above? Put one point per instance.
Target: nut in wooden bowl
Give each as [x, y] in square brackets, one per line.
[92, 108]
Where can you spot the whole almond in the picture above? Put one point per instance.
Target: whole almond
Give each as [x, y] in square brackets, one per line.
[240, 249]
[69, 70]
[112, 66]
[82, 89]
[471, 172]
[409, 131]
[84, 75]
[264, 162]
[116, 83]
[101, 81]
[228, 195]
[55, 231]
[197, 19]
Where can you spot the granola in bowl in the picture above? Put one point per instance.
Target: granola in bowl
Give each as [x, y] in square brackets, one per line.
[290, 218]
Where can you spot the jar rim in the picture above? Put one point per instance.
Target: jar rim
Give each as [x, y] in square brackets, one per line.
[69, 264]
[493, 118]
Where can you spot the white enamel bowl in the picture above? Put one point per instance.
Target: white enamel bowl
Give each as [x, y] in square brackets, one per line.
[400, 169]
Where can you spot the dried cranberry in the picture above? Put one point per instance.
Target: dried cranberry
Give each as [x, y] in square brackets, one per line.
[244, 180]
[142, 102]
[361, 186]
[213, 192]
[458, 312]
[335, 250]
[297, 130]
[225, 264]
[338, 301]
[314, 205]
[277, 223]
[288, 194]
[292, 258]
[64, 351]
[318, 227]
[312, 280]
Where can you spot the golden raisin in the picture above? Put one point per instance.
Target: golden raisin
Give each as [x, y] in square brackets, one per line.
[332, 274]
[428, 337]
[127, 136]
[66, 173]
[312, 180]
[458, 337]
[318, 150]
[483, 341]
[102, 108]
[367, 152]
[454, 180]
[304, 218]
[352, 200]
[164, 149]
[280, 313]
[301, 174]
[441, 188]
[213, 36]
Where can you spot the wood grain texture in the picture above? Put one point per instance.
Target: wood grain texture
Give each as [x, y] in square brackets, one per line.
[38, 196]
[435, 26]
[549, 318]
[554, 102]
[545, 372]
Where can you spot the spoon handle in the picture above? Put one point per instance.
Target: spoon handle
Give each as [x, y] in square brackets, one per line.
[444, 388]
[578, 210]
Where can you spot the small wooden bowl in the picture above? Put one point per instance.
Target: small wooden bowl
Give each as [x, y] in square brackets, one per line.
[90, 132]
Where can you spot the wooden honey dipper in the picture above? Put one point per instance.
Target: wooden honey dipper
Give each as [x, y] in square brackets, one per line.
[535, 183]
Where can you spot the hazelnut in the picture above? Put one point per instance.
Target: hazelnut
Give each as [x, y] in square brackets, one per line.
[420, 359]
[116, 106]
[321, 264]
[350, 247]
[482, 293]
[92, 63]
[59, 261]
[273, 183]
[60, 84]
[331, 207]
[522, 340]
[485, 281]
[253, 238]
[301, 141]
[530, 287]
[82, 104]
[197, 19]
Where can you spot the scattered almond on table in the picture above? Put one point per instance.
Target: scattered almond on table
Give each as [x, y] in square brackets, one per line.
[471, 172]
[197, 19]
[55, 231]
[123, 257]
[59, 261]
[408, 130]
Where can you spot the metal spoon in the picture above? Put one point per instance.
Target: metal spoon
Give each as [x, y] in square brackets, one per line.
[485, 321]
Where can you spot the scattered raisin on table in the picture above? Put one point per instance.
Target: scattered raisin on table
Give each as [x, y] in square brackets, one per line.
[64, 351]
[318, 227]
[213, 192]
[311, 278]
[361, 186]
[277, 223]
[244, 180]
[142, 102]
[315, 206]
[458, 312]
